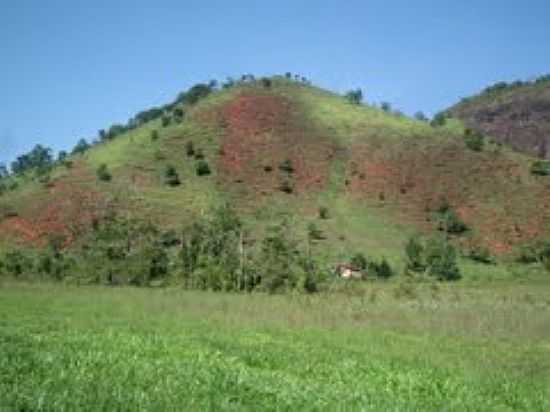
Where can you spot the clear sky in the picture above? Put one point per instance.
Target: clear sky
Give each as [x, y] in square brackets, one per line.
[71, 67]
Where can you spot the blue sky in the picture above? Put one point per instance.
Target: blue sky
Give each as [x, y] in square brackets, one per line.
[69, 68]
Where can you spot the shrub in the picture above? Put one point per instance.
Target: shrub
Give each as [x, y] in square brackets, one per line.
[541, 168]
[171, 177]
[166, 120]
[314, 233]
[381, 269]
[199, 155]
[286, 166]
[359, 261]
[414, 250]
[103, 173]
[266, 82]
[481, 254]
[203, 169]
[474, 140]
[286, 186]
[190, 149]
[154, 135]
[441, 260]
[449, 221]
[323, 213]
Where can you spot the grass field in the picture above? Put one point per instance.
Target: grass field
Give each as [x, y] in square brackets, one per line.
[377, 346]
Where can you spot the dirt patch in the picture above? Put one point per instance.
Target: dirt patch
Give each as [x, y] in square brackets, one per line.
[485, 189]
[68, 208]
[262, 132]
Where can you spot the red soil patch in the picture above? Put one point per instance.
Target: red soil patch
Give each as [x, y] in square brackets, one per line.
[486, 189]
[68, 209]
[263, 131]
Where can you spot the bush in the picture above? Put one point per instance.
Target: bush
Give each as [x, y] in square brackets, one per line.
[449, 221]
[203, 169]
[190, 149]
[481, 254]
[166, 120]
[441, 260]
[171, 177]
[359, 261]
[286, 186]
[414, 251]
[314, 233]
[199, 155]
[266, 82]
[323, 213]
[474, 140]
[381, 269]
[103, 173]
[435, 256]
[541, 168]
[286, 166]
[154, 135]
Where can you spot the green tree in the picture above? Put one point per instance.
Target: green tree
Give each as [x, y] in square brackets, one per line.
[81, 147]
[354, 96]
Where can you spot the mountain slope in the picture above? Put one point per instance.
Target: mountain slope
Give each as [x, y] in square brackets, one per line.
[286, 150]
[516, 114]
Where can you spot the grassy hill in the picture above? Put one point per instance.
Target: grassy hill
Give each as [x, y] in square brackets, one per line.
[287, 149]
[516, 114]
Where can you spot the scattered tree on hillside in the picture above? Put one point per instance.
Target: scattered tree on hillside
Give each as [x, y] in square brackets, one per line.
[190, 149]
[439, 119]
[39, 157]
[354, 96]
[81, 147]
[435, 256]
[420, 116]
[474, 140]
[171, 177]
[203, 169]
[103, 173]
[154, 135]
[386, 107]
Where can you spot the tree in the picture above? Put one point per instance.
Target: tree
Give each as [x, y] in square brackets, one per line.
[386, 107]
[81, 147]
[439, 119]
[420, 116]
[286, 166]
[62, 156]
[39, 157]
[190, 149]
[323, 213]
[266, 82]
[3, 171]
[354, 96]
[154, 135]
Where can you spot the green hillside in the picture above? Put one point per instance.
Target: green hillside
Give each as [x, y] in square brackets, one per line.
[279, 149]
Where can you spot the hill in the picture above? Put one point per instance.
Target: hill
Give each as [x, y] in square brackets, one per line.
[516, 114]
[363, 179]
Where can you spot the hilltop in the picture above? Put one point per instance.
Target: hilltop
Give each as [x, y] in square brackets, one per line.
[516, 114]
[362, 178]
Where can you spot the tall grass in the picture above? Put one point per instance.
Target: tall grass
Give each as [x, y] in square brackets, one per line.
[376, 347]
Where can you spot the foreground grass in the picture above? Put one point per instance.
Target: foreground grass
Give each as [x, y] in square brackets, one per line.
[383, 347]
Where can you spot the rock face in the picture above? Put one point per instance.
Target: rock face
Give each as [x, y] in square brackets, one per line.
[518, 116]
